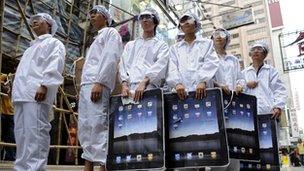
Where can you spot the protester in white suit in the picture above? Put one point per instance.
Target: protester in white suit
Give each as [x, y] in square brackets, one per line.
[263, 81]
[228, 76]
[144, 61]
[98, 79]
[193, 61]
[38, 76]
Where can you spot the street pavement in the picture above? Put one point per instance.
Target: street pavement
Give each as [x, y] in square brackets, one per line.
[8, 166]
[293, 169]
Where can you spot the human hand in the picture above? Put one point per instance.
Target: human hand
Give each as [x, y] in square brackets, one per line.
[181, 92]
[41, 93]
[96, 92]
[140, 89]
[252, 84]
[276, 113]
[238, 89]
[125, 90]
[200, 90]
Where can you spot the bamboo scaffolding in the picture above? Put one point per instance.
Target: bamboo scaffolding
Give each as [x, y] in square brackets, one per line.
[51, 146]
[20, 29]
[1, 32]
[61, 117]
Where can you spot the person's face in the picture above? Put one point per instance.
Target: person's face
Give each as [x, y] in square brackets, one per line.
[257, 54]
[146, 22]
[187, 24]
[40, 26]
[219, 39]
[97, 20]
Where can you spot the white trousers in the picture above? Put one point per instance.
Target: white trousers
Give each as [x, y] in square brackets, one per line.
[32, 129]
[93, 125]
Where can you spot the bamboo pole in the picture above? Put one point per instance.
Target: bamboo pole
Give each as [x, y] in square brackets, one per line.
[20, 29]
[32, 7]
[51, 146]
[25, 21]
[60, 113]
[1, 29]
[1, 34]
[69, 24]
[85, 32]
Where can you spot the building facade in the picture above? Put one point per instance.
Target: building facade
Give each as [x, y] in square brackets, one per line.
[242, 37]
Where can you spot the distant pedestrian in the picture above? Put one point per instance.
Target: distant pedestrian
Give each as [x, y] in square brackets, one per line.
[300, 147]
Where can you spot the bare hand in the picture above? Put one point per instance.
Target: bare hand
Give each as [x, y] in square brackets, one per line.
[276, 112]
[125, 91]
[5, 88]
[226, 89]
[96, 92]
[140, 89]
[181, 92]
[238, 89]
[200, 91]
[252, 84]
[41, 93]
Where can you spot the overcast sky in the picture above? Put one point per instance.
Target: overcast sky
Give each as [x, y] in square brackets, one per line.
[293, 20]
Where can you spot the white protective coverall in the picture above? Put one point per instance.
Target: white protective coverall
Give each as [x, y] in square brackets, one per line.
[192, 64]
[41, 64]
[144, 58]
[229, 72]
[100, 67]
[270, 91]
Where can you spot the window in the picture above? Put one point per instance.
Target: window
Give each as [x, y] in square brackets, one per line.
[268, 61]
[227, 3]
[257, 3]
[226, 11]
[238, 56]
[207, 34]
[236, 35]
[260, 20]
[251, 42]
[208, 9]
[233, 46]
[257, 12]
[257, 30]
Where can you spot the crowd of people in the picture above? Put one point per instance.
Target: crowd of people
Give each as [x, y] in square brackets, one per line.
[193, 63]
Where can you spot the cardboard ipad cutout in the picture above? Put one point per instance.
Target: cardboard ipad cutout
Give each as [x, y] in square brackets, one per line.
[196, 135]
[269, 151]
[136, 138]
[241, 126]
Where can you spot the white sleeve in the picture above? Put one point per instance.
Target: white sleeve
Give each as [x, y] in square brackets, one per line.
[278, 89]
[54, 65]
[125, 62]
[107, 67]
[173, 74]
[158, 70]
[209, 65]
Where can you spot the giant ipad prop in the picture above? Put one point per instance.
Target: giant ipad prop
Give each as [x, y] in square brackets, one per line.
[136, 136]
[196, 135]
[269, 151]
[241, 126]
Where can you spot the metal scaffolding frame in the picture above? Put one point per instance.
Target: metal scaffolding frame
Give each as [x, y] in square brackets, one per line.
[22, 10]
